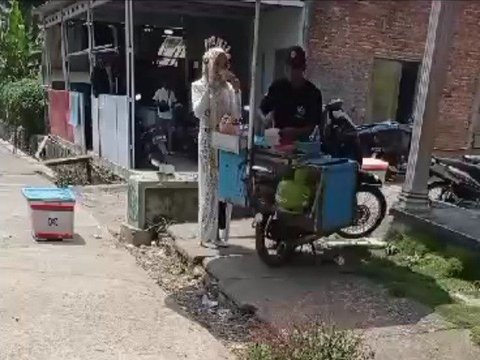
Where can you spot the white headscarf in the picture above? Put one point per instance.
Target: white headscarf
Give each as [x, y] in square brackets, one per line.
[210, 70]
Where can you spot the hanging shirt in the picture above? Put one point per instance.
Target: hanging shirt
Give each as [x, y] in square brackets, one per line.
[293, 107]
[167, 96]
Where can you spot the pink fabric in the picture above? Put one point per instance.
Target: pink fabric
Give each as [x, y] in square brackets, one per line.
[59, 113]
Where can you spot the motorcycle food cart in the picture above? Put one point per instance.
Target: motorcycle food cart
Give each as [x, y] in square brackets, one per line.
[299, 195]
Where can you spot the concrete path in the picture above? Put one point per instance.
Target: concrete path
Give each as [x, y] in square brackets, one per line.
[82, 299]
[308, 290]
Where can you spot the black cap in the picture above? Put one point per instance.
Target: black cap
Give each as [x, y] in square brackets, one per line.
[296, 58]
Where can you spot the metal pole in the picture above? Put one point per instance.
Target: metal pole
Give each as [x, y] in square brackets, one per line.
[253, 78]
[130, 72]
[90, 35]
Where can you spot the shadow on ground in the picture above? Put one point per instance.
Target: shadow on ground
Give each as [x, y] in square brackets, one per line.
[77, 240]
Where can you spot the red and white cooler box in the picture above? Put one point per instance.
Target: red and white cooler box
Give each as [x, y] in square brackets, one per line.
[375, 166]
[51, 212]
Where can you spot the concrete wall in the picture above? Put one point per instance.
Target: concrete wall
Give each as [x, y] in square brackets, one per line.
[345, 37]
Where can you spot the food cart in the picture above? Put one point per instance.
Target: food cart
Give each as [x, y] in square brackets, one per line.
[298, 194]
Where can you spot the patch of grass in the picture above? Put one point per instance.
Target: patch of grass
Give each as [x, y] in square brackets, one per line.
[453, 268]
[475, 334]
[462, 315]
[316, 342]
[421, 268]
[438, 267]
[401, 281]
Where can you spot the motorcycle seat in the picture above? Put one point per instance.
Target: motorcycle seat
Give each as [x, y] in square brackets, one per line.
[471, 169]
[474, 159]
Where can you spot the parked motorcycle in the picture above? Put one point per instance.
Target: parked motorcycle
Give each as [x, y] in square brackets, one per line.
[455, 181]
[339, 134]
[153, 143]
[389, 140]
[278, 233]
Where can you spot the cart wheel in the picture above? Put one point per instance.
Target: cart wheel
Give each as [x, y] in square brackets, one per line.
[371, 210]
[272, 252]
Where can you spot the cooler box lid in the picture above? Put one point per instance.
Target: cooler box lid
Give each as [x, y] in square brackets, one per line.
[48, 194]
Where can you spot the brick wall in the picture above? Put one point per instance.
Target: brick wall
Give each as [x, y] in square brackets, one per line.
[346, 36]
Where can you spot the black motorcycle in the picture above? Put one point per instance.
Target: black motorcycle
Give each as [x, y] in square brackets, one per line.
[154, 147]
[388, 140]
[339, 134]
[455, 181]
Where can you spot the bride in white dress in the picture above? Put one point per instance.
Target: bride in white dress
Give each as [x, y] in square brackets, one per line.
[215, 95]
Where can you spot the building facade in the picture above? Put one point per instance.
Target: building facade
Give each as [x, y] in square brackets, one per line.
[368, 53]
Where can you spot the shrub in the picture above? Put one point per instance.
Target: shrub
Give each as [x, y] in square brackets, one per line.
[315, 343]
[22, 103]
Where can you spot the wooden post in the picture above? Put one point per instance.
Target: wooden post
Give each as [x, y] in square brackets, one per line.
[431, 83]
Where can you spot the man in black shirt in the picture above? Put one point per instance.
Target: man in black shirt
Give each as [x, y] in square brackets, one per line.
[293, 104]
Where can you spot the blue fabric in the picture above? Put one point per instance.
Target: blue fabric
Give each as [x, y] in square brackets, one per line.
[74, 109]
[48, 194]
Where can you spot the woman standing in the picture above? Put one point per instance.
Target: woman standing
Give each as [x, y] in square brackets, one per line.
[215, 96]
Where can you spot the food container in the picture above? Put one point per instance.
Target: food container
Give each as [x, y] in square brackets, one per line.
[375, 166]
[51, 212]
[272, 137]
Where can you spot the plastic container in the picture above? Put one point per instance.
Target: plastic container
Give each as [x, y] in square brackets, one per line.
[51, 212]
[375, 166]
[272, 137]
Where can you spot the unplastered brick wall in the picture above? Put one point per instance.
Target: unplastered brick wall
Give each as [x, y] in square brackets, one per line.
[346, 36]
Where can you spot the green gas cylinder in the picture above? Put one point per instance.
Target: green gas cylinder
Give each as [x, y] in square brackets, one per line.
[295, 195]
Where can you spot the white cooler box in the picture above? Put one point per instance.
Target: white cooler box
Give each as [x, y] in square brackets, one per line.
[51, 212]
[375, 166]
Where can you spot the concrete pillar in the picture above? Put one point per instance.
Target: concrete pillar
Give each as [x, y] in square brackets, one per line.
[432, 80]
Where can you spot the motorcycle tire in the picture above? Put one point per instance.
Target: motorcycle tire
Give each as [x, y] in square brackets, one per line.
[443, 186]
[382, 204]
[283, 253]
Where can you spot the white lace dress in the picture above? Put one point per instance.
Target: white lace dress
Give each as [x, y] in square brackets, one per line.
[209, 106]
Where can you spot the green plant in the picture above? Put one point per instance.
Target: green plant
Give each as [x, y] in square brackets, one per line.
[20, 45]
[22, 103]
[317, 342]
[475, 334]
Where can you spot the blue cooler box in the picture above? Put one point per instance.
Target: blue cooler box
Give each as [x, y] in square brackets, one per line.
[232, 177]
[51, 212]
[336, 204]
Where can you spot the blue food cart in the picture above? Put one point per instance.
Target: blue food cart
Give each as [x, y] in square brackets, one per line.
[298, 196]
